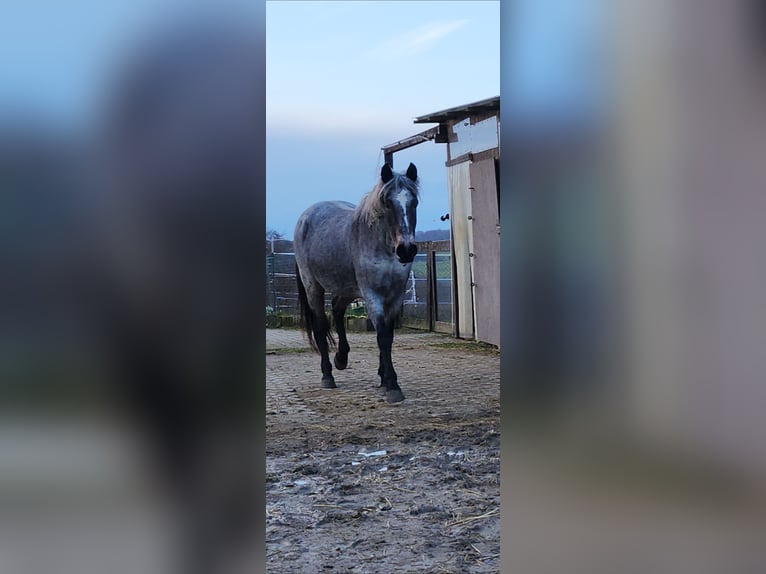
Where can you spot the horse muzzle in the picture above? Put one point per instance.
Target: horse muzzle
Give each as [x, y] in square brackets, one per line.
[406, 252]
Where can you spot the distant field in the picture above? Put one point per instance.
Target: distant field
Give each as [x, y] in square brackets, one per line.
[443, 267]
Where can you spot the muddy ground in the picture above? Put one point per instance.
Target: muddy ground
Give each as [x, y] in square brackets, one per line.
[355, 484]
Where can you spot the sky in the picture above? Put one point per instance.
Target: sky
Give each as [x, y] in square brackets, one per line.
[343, 78]
[346, 78]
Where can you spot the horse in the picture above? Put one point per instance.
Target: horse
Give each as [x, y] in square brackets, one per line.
[363, 251]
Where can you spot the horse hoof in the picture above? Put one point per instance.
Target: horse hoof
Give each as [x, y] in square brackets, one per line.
[340, 362]
[394, 396]
[328, 383]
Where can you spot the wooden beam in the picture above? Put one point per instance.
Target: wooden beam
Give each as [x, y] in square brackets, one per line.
[427, 135]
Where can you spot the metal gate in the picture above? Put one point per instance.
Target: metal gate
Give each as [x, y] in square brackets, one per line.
[428, 298]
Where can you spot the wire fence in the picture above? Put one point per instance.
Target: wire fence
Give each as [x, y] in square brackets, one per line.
[427, 299]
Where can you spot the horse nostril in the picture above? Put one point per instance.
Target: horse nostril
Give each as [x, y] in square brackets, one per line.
[406, 253]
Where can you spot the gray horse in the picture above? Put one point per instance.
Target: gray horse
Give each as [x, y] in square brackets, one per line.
[358, 252]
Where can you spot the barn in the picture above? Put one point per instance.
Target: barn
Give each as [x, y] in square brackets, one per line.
[471, 134]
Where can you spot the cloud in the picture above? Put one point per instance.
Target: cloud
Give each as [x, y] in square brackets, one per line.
[417, 40]
[344, 117]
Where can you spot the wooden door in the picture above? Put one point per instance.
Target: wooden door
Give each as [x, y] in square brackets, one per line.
[485, 258]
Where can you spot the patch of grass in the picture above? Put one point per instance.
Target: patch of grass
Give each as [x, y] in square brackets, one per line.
[288, 350]
[468, 346]
[357, 312]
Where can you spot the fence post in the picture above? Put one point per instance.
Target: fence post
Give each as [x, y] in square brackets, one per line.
[430, 282]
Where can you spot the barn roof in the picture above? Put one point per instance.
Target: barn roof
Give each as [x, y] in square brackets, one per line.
[481, 107]
[439, 134]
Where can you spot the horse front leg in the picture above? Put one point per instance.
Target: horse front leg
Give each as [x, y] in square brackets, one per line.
[388, 380]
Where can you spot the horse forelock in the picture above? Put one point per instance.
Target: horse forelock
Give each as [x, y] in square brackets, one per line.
[372, 206]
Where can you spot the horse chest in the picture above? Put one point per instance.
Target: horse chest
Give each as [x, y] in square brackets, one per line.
[383, 274]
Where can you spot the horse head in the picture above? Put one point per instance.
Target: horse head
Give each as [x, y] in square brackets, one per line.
[400, 197]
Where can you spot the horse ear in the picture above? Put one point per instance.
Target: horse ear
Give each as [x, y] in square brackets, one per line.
[386, 174]
[412, 172]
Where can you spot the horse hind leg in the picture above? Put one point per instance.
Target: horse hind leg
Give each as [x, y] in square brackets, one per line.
[322, 336]
[339, 305]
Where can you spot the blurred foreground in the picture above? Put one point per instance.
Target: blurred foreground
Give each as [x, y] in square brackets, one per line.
[131, 339]
[633, 351]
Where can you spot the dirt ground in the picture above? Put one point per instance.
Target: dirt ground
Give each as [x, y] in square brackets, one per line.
[355, 484]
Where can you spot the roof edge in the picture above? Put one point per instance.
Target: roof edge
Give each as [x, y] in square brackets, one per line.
[487, 105]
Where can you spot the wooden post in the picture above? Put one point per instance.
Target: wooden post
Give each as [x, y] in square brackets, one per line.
[431, 286]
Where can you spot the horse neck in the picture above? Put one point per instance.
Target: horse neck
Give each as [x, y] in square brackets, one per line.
[376, 236]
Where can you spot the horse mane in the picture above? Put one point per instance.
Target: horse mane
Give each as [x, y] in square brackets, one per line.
[372, 207]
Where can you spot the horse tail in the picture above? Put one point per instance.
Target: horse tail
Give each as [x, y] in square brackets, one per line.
[307, 317]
